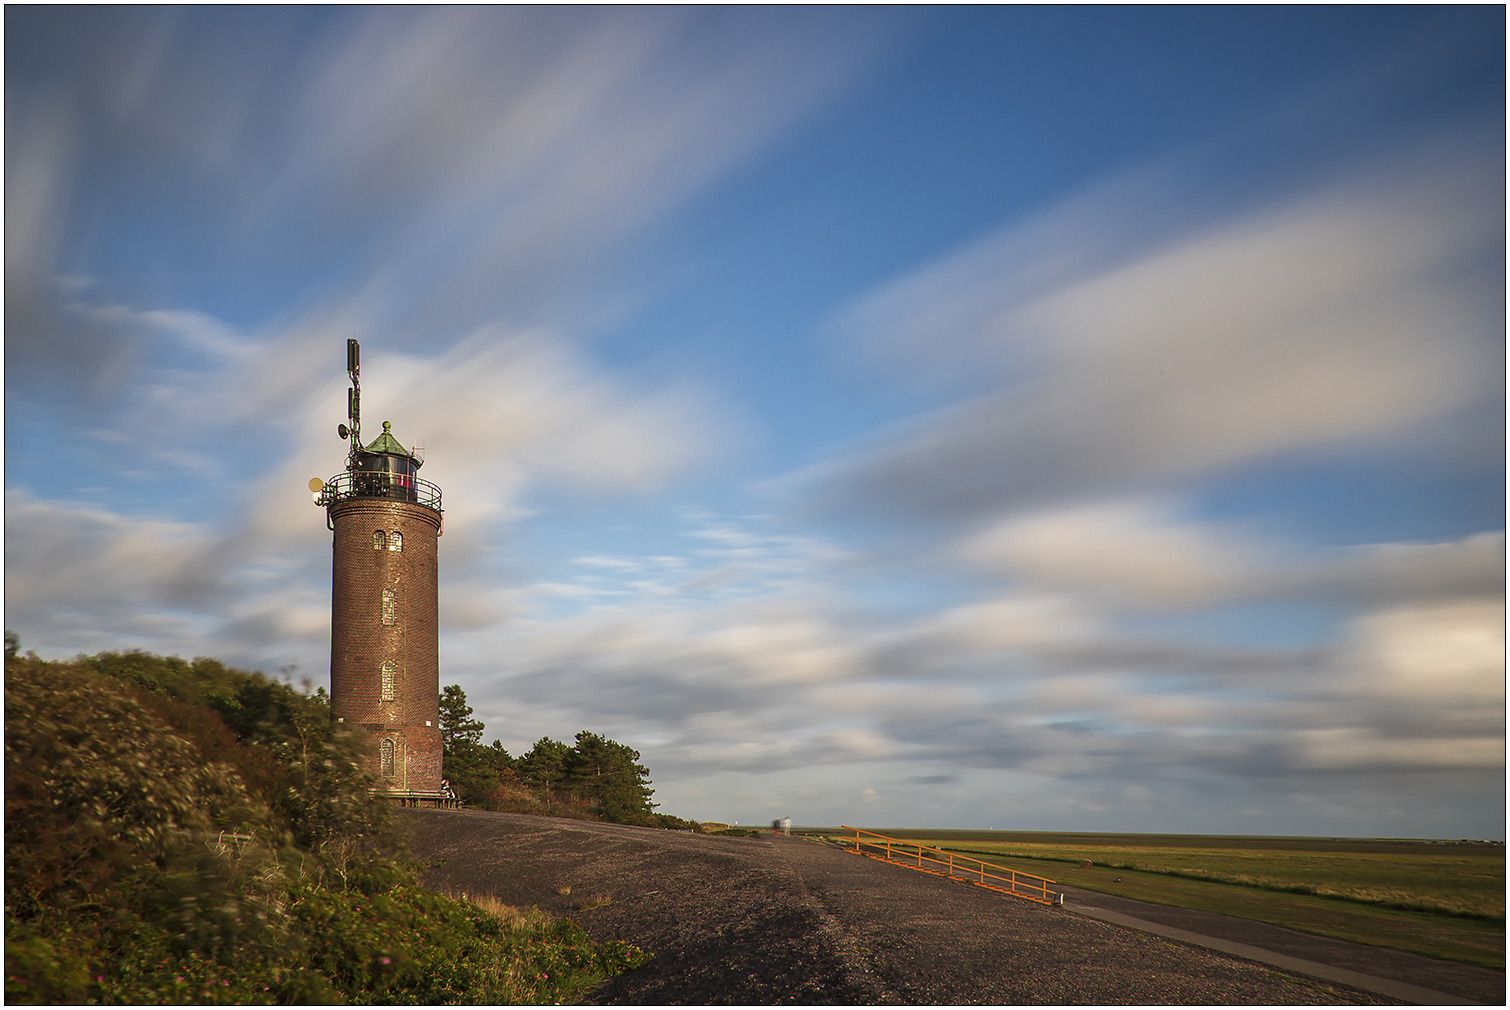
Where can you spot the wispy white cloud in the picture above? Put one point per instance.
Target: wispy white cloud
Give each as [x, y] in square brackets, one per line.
[1435, 653]
[1143, 554]
[96, 579]
[1132, 550]
[449, 169]
[566, 134]
[1357, 747]
[1336, 318]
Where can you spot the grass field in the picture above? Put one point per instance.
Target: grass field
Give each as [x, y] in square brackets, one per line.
[1444, 900]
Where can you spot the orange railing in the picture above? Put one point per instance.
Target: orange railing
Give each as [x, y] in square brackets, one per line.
[948, 864]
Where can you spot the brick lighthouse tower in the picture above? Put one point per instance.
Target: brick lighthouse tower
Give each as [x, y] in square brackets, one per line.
[384, 626]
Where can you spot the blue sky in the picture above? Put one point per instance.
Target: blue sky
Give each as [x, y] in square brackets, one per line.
[1047, 418]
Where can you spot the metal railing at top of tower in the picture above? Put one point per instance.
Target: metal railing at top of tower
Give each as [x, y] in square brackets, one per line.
[380, 484]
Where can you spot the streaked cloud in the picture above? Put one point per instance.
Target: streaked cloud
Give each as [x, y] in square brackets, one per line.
[1123, 548]
[1434, 654]
[1335, 317]
[1035, 587]
[439, 167]
[88, 575]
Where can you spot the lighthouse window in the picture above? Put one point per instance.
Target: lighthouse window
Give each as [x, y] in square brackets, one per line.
[390, 606]
[385, 757]
[395, 541]
[389, 668]
[379, 540]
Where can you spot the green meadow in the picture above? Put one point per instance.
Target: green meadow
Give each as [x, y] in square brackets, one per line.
[1444, 900]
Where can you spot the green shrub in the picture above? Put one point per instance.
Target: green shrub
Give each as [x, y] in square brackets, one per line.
[189, 833]
[110, 816]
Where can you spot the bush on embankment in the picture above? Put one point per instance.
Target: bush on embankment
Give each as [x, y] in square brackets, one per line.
[187, 833]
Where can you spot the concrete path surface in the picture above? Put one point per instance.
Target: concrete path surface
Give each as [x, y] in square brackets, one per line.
[741, 921]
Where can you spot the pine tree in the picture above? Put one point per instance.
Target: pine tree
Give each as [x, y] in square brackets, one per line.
[544, 766]
[456, 722]
[609, 776]
[473, 770]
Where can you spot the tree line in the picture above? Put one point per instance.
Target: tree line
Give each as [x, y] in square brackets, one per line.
[594, 778]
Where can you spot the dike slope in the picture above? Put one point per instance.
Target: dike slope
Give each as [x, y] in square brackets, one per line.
[747, 921]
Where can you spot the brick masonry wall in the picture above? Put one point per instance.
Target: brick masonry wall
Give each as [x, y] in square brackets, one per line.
[360, 642]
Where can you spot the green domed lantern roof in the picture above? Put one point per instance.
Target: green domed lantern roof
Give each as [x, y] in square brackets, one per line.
[387, 443]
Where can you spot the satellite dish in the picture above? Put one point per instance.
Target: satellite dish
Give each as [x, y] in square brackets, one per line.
[342, 430]
[316, 484]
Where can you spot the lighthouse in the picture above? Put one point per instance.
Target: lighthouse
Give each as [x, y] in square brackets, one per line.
[384, 611]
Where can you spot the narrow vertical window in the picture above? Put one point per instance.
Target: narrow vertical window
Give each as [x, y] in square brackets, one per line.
[379, 540]
[389, 668]
[390, 606]
[395, 541]
[385, 757]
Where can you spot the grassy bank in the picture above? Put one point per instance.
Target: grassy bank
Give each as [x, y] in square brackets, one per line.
[190, 833]
[1444, 901]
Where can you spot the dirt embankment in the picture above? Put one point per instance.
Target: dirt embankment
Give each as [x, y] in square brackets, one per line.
[741, 921]
[725, 921]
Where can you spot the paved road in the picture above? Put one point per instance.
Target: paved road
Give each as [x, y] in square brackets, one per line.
[741, 921]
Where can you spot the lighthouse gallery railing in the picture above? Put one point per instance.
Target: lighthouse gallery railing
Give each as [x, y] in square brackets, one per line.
[380, 484]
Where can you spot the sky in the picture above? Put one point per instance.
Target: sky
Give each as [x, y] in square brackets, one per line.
[1036, 418]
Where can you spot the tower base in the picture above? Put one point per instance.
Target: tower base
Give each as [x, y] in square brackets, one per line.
[406, 759]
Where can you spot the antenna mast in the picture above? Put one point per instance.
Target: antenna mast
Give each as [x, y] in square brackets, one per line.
[354, 399]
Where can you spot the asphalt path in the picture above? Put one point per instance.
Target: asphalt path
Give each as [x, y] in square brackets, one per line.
[787, 920]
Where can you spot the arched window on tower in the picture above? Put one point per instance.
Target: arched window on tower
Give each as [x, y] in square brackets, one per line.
[390, 607]
[379, 540]
[386, 757]
[390, 669]
[395, 541]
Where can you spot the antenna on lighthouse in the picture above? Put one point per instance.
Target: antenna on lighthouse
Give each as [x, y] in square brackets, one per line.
[353, 400]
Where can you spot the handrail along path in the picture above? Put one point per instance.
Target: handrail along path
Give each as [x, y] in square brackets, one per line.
[942, 863]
